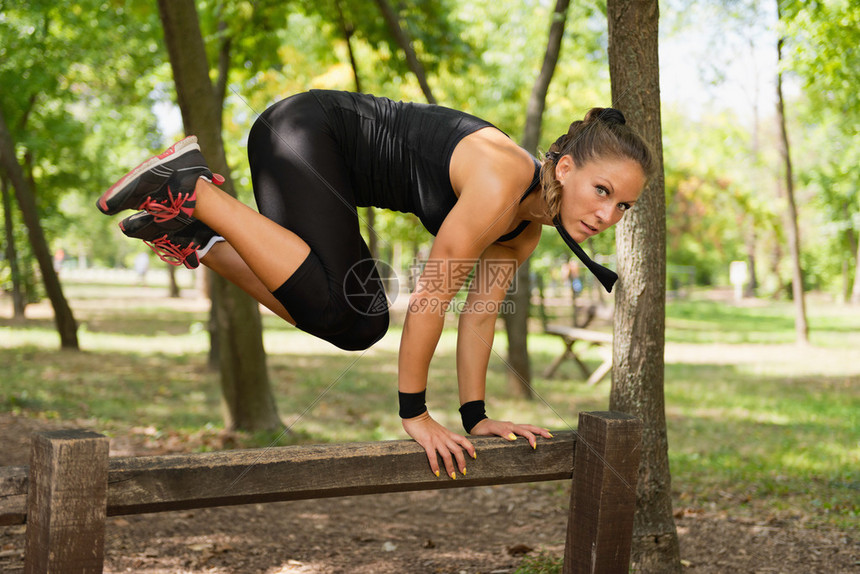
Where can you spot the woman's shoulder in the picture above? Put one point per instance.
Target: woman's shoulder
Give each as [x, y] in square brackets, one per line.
[490, 163]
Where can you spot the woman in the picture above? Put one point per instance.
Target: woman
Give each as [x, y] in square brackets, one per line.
[315, 156]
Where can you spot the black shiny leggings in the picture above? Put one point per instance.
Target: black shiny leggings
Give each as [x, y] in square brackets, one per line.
[301, 181]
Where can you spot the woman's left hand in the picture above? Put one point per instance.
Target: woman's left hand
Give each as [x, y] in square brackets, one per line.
[510, 431]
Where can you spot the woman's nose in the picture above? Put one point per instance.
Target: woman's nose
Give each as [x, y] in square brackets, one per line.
[603, 213]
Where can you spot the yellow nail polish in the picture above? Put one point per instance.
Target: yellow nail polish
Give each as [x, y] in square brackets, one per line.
[475, 455]
[550, 435]
[512, 436]
[464, 471]
[437, 474]
[534, 446]
[453, 476]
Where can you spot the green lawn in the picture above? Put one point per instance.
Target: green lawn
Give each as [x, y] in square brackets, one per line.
[757, 425]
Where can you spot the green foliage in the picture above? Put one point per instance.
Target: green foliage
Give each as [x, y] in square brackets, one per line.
[82, 104]
[822, 42]
[89, 73]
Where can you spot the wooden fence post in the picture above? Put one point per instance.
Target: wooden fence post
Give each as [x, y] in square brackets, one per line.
[603, 495]
[66, 502]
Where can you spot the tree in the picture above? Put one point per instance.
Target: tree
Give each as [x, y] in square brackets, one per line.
[64, 319]
[800, 325]
[820, 47]
[401, 35]
[639, 336]
[245, 387]
[516, 323]
[18, 301]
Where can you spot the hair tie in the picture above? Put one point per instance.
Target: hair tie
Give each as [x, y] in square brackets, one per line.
[552, 155]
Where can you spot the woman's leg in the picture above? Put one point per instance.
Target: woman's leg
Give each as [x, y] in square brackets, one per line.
[303, 248]
[304, 244]
[224, 260]
[270, 251]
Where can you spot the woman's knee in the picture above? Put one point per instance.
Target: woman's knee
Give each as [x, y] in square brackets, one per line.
[364, 332]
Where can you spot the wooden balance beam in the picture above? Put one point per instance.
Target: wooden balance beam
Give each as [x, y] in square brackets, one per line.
[72, 485]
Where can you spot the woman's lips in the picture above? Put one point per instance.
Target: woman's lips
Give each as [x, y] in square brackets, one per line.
[589, 229]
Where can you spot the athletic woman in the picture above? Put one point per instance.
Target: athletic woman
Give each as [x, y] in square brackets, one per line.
[316, 156]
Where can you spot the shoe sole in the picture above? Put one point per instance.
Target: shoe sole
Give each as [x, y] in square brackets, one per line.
[135, 225]
[179, 148]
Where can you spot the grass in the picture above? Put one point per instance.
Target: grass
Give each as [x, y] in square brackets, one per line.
[757, 426]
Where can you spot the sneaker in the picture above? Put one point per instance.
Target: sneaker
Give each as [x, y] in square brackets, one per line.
[163, 185]
[173, 246]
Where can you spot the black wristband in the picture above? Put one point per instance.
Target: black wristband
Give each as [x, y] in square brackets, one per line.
[472, 413]
[412, 404]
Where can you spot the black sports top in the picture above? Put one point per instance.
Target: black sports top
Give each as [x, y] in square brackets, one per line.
[399, 153]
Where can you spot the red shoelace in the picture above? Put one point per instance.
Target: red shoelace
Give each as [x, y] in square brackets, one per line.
[166, 209]
[170, 252]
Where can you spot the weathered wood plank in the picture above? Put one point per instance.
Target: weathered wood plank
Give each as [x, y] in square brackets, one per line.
[603, 495]
[13, 494]
[154, 483]
[66, 502]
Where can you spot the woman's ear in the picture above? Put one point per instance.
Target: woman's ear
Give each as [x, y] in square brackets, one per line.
[563, 167]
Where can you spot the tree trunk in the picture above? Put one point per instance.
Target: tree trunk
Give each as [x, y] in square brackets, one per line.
[639, 336]
[855, 291]
[801, 327]
[172, 285]
[348, 29]
[517, 328]
[18, 302]
[372, 235]
[248, 401]
[405, 42]
[537, 100]
[67, 327]
[851, 241]
[516, 323]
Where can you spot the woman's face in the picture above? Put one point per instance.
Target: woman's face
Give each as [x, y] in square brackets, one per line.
[597, 195]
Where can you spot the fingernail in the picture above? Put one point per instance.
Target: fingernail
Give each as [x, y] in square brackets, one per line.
[453, 476]
[512, 436]
[436, 473]
[464, 471]
[475, 455]
[550, 435]
[534, 446]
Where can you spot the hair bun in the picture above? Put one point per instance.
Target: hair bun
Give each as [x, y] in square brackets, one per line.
[608, 115]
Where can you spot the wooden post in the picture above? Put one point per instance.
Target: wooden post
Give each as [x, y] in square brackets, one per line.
[67, 502]
[603, 496]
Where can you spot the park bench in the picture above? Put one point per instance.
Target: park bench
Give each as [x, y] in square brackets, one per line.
[72, 485]
[574, 335]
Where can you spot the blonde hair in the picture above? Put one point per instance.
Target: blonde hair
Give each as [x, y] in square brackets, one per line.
[602, 133]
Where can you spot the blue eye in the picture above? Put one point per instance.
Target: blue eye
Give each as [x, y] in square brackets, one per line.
[602, 191]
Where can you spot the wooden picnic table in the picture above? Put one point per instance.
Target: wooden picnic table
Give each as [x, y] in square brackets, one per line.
[573, 335]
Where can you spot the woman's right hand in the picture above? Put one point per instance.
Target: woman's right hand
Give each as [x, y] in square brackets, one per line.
[436, 439]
